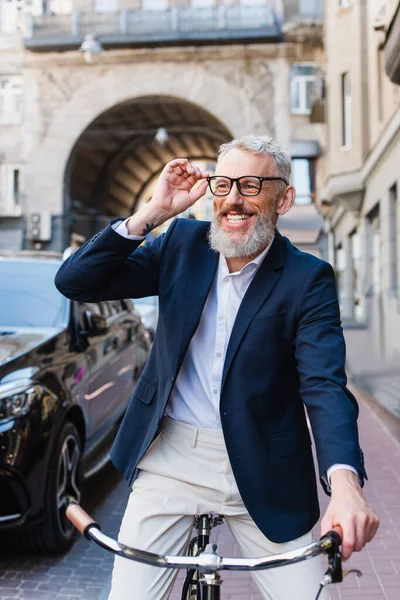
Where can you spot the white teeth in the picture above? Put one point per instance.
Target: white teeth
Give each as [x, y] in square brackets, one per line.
[237, 217]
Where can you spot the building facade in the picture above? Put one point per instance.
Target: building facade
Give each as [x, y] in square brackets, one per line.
[97, 95]
[361, 195]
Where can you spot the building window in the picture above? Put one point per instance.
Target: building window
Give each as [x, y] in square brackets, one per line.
[60, 7]
[105, 6]
[344, 3]
[312, 10]
[10, 190]
[394, 246]
[302, 79]
[346, 110]
[374, 250]
[154, 4]
[303, 180]
[11, 15]
[356, 284]
[10, 100]
[340, 271]
[201, 3]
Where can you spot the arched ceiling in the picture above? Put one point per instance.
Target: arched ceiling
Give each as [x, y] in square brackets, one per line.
[117, 156]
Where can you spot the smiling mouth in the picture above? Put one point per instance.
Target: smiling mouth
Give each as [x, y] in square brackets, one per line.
[237, 218]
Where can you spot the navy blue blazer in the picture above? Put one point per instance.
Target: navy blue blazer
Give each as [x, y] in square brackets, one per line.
[286, 350]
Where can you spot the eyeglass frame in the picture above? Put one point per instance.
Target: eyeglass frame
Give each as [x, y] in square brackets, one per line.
[236, 180]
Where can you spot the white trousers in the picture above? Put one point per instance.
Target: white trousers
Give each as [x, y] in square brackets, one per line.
[185, 472]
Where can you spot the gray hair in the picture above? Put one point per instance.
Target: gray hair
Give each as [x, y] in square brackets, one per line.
[261, 144]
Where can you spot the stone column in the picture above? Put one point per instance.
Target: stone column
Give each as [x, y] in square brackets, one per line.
[282, 120]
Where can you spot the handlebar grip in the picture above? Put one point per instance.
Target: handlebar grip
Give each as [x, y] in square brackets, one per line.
[79, 518]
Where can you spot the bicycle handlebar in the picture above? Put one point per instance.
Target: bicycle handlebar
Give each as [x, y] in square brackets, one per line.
[207, 561]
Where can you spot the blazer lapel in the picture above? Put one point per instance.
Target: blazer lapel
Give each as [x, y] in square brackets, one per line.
[256, 294]
[202, 275]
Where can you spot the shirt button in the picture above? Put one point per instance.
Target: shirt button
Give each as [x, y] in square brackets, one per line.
[215, 391]
[220, 317]
[218, 354]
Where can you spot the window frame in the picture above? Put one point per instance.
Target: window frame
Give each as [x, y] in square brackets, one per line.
[159, 5]
[10, 196]
[10, 96]
[374, 249]
[311, 165]
[302, 81]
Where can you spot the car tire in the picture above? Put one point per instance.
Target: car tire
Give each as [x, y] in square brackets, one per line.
[64, 483]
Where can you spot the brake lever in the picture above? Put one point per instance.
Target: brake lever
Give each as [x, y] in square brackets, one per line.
[334, 573]
[356, 571]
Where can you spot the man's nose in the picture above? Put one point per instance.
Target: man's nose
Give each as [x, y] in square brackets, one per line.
[234, 196]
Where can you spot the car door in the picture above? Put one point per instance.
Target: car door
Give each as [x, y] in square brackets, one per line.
[101, 353]
[125, 325]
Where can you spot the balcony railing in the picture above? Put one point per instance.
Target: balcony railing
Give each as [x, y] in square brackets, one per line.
[214, 24]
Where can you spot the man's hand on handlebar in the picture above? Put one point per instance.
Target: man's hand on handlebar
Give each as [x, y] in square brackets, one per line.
[349, 509]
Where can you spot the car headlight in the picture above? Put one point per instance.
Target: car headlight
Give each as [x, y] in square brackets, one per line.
[16, 398]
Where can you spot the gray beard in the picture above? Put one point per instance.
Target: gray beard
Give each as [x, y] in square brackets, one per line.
[250, 244]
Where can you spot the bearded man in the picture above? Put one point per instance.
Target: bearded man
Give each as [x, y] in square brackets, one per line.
[249, 334]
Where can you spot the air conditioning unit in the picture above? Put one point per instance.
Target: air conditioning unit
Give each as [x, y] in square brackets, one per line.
[38, 227]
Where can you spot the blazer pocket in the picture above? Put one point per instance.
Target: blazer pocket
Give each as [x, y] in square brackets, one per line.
[289, 442]
[144, 390]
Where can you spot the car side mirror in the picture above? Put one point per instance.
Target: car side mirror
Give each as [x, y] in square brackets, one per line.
[95, 324]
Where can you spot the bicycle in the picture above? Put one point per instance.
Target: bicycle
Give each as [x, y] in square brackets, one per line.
[203, 562]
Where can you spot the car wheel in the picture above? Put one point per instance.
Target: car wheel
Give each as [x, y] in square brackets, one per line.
[64, 482]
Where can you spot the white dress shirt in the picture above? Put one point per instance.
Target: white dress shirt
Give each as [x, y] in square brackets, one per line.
[196, 395]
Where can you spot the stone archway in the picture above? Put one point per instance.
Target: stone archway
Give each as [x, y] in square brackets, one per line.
[94, 92]
[119, 154]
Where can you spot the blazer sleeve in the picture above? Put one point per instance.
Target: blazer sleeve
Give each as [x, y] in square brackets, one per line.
[111, 267]
[320, 355]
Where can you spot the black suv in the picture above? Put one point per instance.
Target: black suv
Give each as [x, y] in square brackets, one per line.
[67, 370]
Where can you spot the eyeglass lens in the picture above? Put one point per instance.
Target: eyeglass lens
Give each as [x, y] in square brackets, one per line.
[248, 186]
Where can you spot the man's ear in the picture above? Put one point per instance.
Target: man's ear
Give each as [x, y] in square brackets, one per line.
[285, 200]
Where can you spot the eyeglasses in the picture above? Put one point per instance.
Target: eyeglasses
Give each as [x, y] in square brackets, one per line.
[248, 185]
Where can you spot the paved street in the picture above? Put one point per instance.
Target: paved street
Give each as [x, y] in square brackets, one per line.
[83, 573]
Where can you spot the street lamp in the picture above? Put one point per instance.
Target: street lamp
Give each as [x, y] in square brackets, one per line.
[90, 46]
[162, 136]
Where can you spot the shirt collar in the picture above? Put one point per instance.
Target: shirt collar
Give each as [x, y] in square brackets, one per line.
[253, 265]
